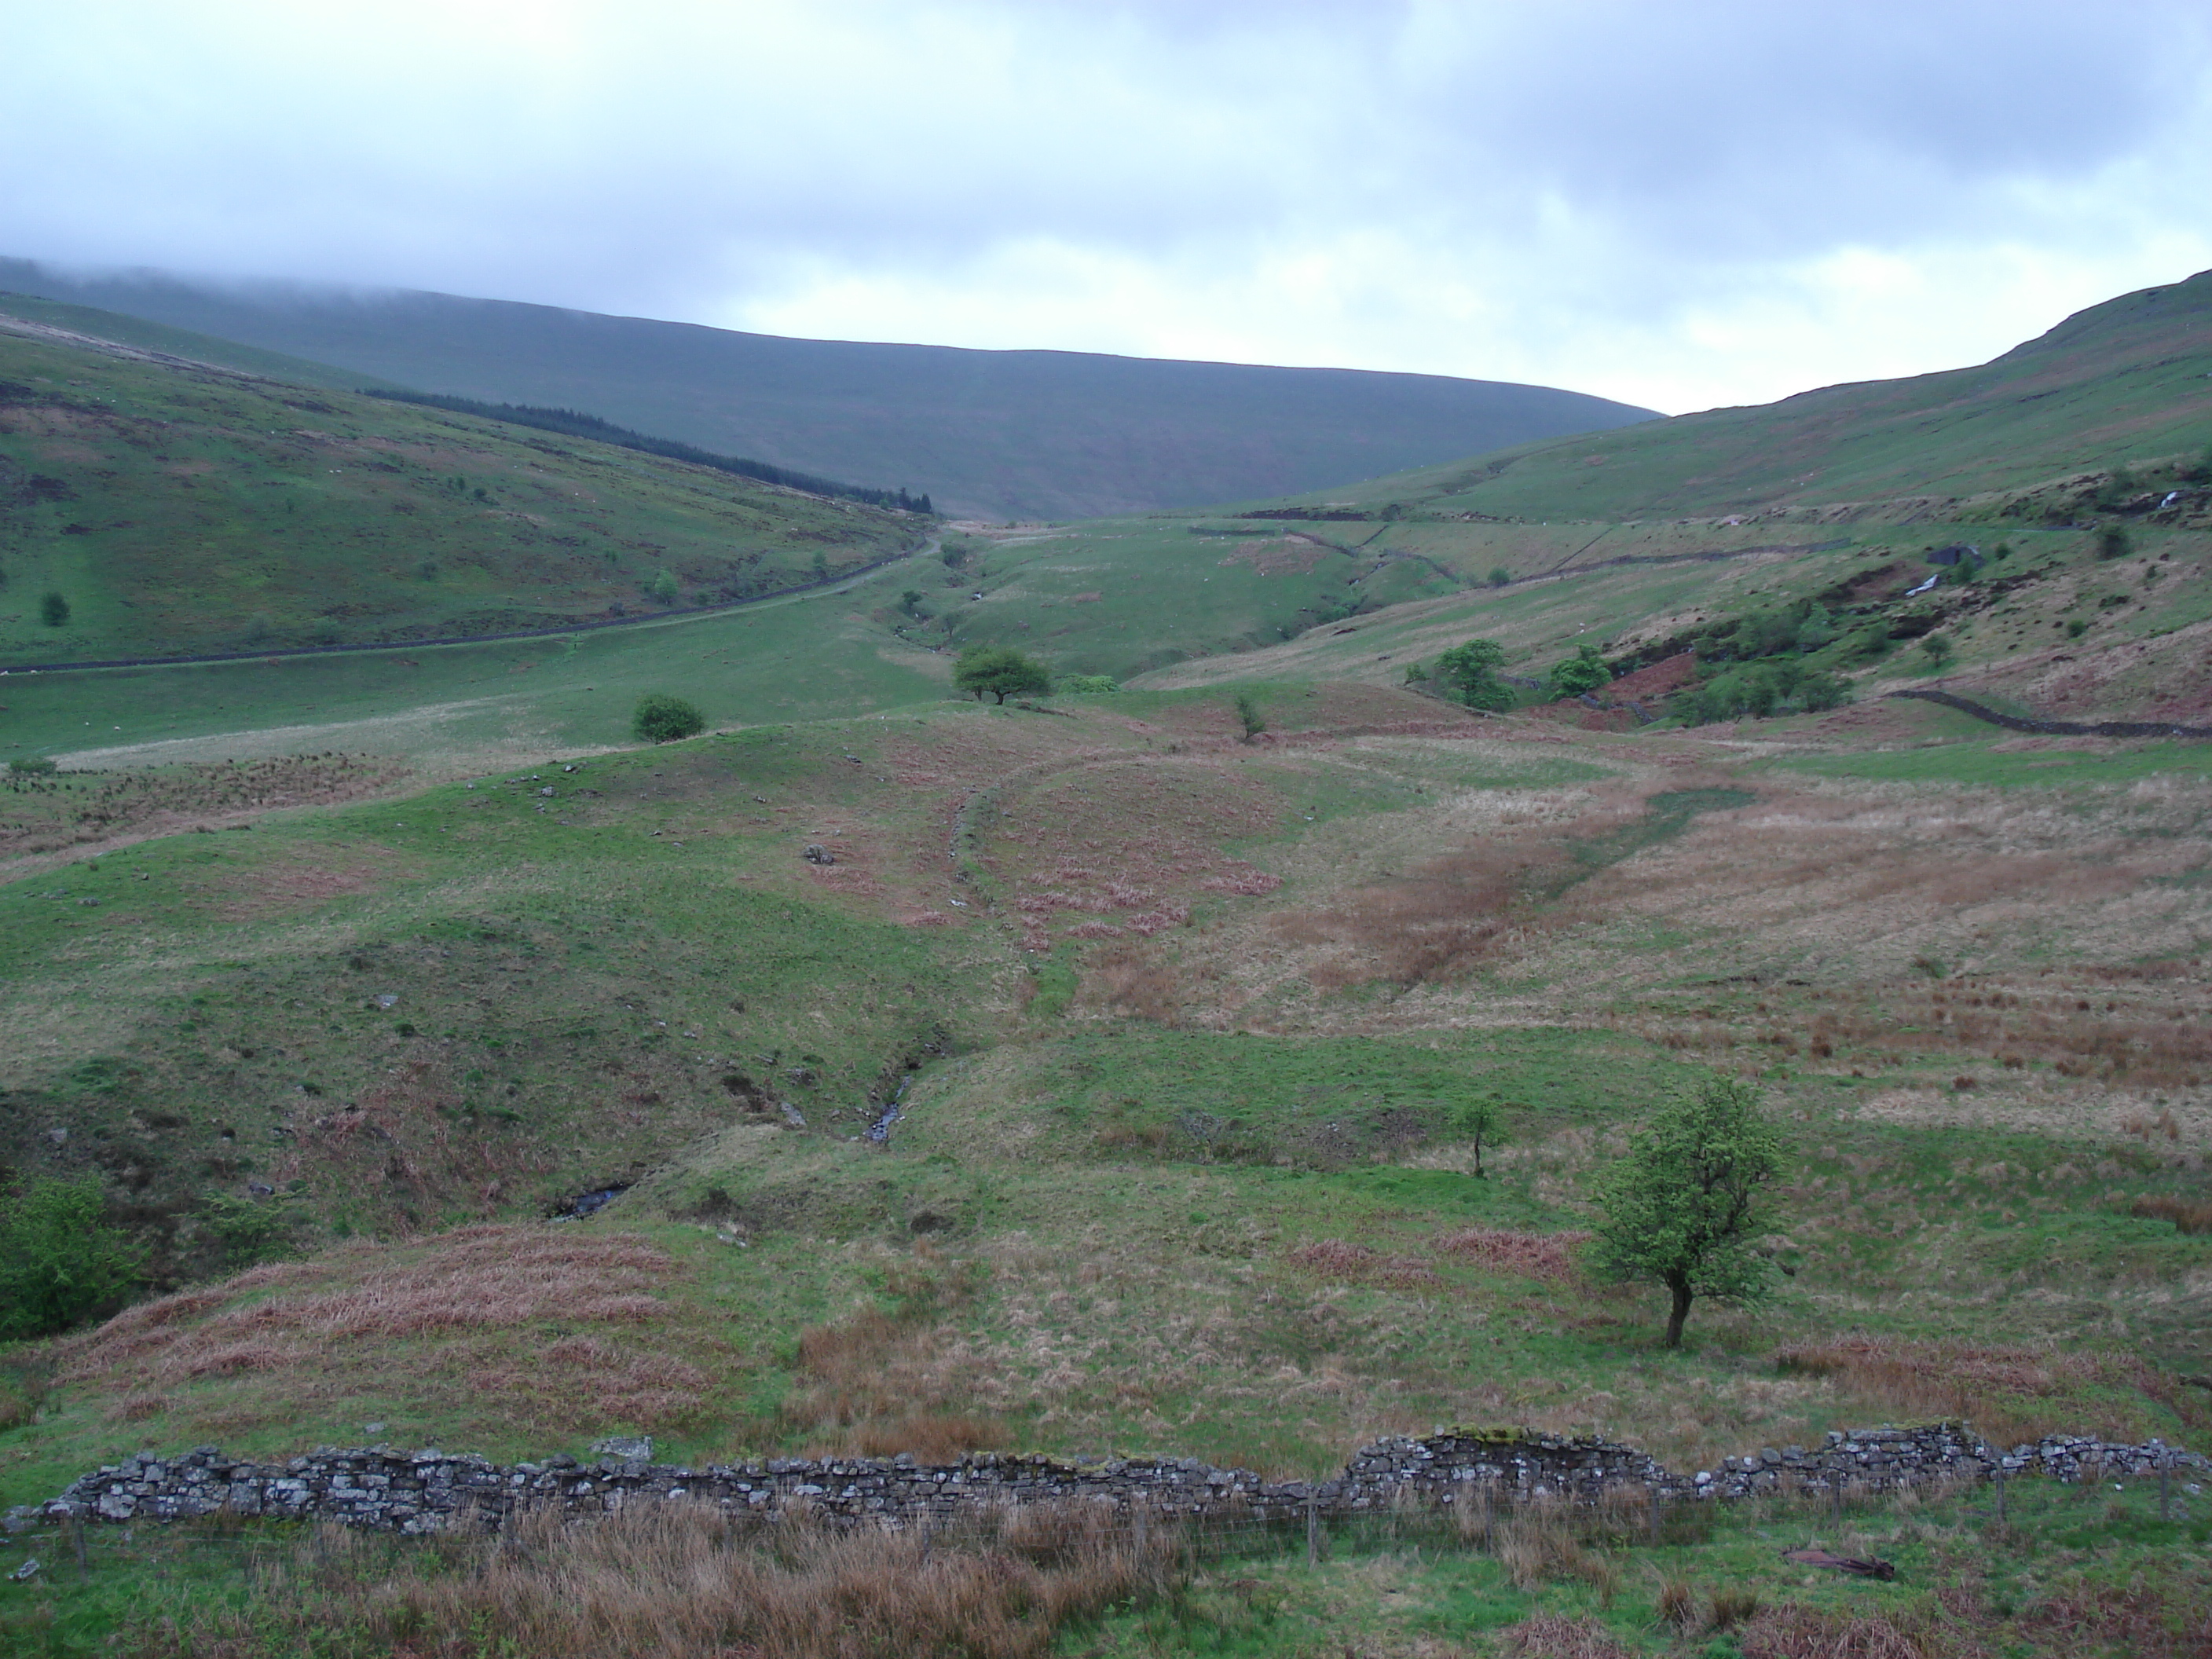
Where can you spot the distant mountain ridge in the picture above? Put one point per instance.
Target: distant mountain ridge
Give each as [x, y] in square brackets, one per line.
[1001, 434]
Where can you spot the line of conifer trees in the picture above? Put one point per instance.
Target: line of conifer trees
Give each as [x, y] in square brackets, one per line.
[576, 425]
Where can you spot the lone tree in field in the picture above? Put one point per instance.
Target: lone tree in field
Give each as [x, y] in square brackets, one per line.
[1475, 1118]
[1249, 714]
[1471, 669]
[1001, 670]
[54, 611]
[1682, 1208]
[663, 719]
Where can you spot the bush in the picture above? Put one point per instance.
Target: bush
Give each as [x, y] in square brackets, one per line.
[35, 765]
[663, 719]
[249, 1231]
[1500, 575]
[60, 1261]
[1775, 685]
[1090, 685]
[2113, 542]
[1472, 671]
[1248, 713]
[665, 588]
[1579, 674]
[54, 611]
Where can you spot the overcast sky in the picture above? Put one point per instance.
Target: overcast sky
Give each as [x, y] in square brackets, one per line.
[1678, 205]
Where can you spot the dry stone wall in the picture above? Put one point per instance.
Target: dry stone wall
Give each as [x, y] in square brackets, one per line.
[422, 1491]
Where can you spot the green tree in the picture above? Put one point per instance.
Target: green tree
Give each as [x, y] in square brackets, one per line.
[660, 718]
[1475, 1118]
[60, 1261]
[910, 601]
[1683, 1207]
[1579, 674]
[54, 611]
[1001, 670]
[2113, 542]
[1090, 685]
[1938, 647]
[1472, 671]
[1500, 575]
[664, 587]
[1248, 712]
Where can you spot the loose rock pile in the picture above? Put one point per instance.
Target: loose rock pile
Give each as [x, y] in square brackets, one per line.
[421, 1492]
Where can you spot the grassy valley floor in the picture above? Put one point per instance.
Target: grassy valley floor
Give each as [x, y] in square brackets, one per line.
[1171, 1023]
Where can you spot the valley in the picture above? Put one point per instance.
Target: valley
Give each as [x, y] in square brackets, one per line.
[885, 1071]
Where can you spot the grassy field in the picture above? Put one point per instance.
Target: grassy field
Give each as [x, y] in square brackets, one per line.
[1173, 1022]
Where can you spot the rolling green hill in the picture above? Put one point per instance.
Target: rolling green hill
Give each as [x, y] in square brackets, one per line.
[181, 507]
[1005, 435]
[2123, 381]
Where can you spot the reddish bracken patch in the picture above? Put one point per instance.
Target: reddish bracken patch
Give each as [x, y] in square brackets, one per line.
[1334, 1257]
[1534, 1256]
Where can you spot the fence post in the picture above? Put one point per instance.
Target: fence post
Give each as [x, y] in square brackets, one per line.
[76, 1541]
[2001, 1485]
[1313, 1529]
[1836, 1496]
[1657, 1503]
[2165, 1486]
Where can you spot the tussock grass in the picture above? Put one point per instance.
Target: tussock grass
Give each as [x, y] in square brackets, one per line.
[667, 1582]
[2188, 1215]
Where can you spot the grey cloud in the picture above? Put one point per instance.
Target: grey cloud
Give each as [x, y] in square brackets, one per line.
[682, 158]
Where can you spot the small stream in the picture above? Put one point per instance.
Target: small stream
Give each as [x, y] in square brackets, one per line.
[880, 1130]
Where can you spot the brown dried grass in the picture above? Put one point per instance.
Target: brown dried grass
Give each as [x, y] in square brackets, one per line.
[1800, 1632]
[2189, 1215]
[1533, 1256]
[1334, 1258]
[1135, 980]
[673, 1582]
[2011, 1395]
[471, 1279]
[1548, 1636]
[882, 1381]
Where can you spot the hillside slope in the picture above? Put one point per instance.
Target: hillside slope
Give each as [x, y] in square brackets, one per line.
[1004, 435]
[2124, 380]
[179, 508]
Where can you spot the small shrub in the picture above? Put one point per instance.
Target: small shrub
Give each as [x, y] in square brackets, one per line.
[32, 765]
[60, 1261]
[54, 611]
[1732, 1608]
[248, 1231]
[660, 718]
[1678, 1604]
[1090, 685]
[2113, 542]
[1249, 715]
[1499, 576]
